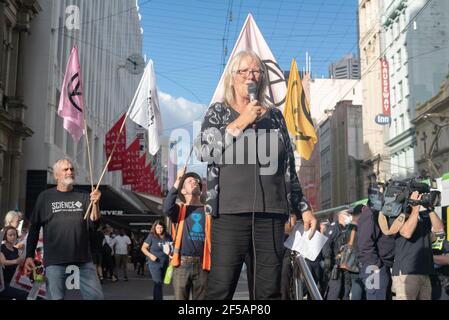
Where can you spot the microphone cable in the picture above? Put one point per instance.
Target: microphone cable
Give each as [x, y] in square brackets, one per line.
[254, 259]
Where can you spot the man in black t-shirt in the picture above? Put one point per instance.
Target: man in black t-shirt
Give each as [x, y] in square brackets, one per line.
[189, 237]
[413, 261]
[60, 212]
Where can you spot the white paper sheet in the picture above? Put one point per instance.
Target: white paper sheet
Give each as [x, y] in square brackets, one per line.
[299, 241]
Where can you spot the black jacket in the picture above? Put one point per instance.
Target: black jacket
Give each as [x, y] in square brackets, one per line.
[375, 248]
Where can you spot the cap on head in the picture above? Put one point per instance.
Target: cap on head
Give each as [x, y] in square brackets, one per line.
[356, 210]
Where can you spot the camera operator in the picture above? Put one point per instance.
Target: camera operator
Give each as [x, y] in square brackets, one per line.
[413, 263]
[376, 255]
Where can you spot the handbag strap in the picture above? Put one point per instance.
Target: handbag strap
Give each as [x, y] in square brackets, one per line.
[352, 237]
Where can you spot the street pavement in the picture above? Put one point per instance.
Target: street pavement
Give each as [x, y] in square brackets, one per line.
[141, 288]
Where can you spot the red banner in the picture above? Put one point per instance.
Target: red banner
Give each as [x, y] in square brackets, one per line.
[385, 73]
[146, 179]
[155, 188]
[137, 186]
[130, 160]
[117, 158]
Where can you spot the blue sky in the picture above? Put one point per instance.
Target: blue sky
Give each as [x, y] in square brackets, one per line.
[185, 38]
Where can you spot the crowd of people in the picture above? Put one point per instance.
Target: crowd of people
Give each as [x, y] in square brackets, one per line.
[360, 262]
[243, 217]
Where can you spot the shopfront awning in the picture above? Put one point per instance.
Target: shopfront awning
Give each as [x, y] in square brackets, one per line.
[124, 209]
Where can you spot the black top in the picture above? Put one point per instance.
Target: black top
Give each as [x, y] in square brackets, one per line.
[414, 256]
[443, 270]
[156, 247]
[248, 183]
[375, 248]
[8, 272]
[193, 234]
[66, 234]
[211, 145]
[96, 241]
[332, 232]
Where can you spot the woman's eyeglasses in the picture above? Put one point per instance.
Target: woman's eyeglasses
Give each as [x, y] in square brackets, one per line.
[246, 72]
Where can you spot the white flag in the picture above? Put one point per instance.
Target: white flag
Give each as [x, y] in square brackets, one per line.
[251, 39]
[144, 109]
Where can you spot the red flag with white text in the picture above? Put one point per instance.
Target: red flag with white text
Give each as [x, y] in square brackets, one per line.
[130, 160]
[117, 158]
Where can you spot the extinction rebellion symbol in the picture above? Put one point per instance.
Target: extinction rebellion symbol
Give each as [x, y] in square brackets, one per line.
[73, 93]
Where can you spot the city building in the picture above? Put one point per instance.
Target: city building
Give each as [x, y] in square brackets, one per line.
[432, 134]
[324, 95]
[375, 155]
[346, 68]
[341, 145]
[108, 34]
[416, 42]
[15, 27]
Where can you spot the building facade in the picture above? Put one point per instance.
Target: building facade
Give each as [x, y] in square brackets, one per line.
[106, 33]
[416, 42]
[346, 68]
[346, 130]
[432, 134]
[375, 155]
[325, 164]
[15, 29]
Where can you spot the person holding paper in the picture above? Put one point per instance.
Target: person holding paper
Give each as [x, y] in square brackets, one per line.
[250, 195]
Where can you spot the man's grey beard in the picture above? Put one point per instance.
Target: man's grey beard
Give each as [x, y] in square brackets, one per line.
[68, 182]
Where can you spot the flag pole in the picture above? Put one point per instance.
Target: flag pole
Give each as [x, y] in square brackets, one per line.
[88, 151]
[188, 158]
[107, 163]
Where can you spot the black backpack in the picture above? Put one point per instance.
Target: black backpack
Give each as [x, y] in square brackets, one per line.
[107, 250]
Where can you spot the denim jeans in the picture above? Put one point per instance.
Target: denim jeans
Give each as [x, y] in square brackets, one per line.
[189, 276]
[89, 283]
[157, 271]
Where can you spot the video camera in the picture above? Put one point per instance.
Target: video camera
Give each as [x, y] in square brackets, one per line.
[393, 198]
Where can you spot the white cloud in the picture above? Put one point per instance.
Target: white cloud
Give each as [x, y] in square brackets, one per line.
[179, 112]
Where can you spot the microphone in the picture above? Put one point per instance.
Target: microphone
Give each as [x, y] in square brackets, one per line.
[252, 91]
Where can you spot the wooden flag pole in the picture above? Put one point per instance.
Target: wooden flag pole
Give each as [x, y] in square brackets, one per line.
[190, 154]
[88, 151]
[107, 163]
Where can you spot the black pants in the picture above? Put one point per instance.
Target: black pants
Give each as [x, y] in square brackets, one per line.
[232, 242]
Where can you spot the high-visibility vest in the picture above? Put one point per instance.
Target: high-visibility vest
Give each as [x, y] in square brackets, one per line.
[177, 235]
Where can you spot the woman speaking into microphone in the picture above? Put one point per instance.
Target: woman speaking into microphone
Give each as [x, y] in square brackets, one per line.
[252, 182]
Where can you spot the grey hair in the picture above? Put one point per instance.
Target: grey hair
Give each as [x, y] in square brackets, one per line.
[229, 93]
[11, 215]
[59, 162]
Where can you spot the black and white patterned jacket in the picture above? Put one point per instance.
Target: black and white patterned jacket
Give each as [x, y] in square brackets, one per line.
[212, 142]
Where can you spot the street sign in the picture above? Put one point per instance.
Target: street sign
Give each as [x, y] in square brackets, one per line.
[383, 119]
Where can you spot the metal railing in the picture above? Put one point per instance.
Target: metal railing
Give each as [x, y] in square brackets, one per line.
[302, 274]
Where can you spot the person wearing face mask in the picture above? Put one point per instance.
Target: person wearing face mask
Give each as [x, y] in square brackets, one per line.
[344, 282]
